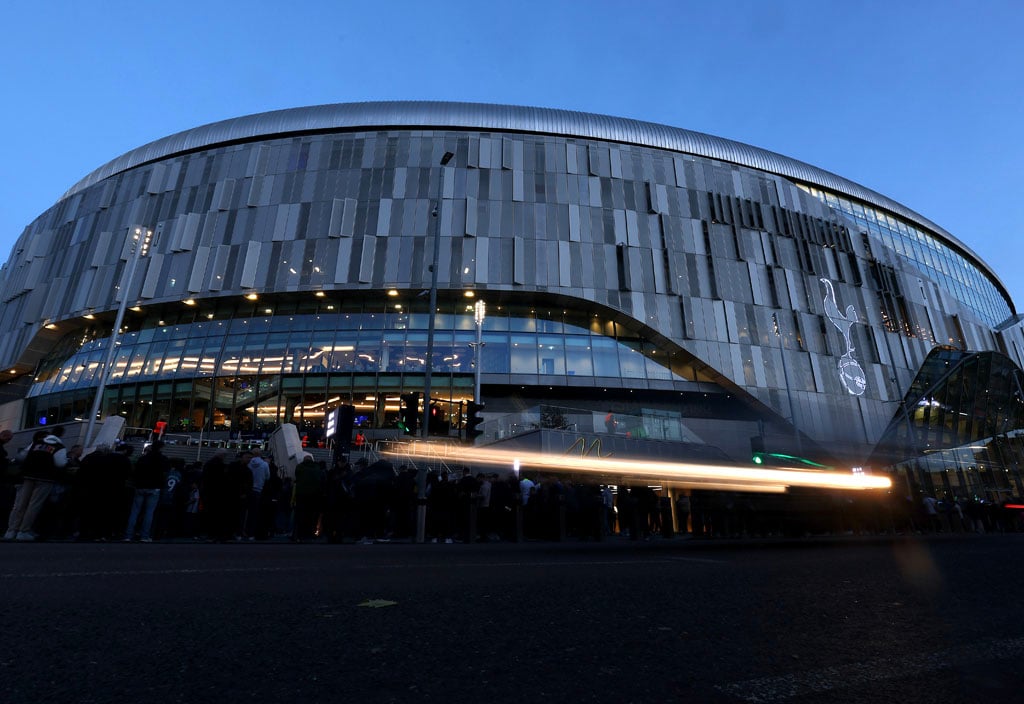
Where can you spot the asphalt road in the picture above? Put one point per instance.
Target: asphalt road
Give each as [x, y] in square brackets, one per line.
[912, 620]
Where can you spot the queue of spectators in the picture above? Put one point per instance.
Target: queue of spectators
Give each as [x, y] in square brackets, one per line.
[107, 496]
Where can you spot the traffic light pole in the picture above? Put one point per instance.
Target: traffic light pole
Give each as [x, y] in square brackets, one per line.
[432, 313]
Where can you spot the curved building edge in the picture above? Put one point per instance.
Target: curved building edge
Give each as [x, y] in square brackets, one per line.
[512, 118]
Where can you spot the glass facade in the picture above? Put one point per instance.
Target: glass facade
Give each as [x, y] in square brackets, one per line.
[937, 260]
[257, 367]
[960, 429]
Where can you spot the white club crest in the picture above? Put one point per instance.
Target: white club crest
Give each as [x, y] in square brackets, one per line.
[851, 376]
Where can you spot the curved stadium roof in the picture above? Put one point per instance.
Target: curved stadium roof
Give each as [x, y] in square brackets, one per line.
[510, 118]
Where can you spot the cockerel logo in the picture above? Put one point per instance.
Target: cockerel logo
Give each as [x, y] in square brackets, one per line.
[851, 375]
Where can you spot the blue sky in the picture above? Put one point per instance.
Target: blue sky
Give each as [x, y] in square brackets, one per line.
[921, 101]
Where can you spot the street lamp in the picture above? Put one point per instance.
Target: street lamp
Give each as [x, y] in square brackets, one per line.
[141, 243]
[436, 212]
[479, 313]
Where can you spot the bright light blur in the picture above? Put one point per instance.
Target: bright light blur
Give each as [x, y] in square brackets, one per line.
[676, 474]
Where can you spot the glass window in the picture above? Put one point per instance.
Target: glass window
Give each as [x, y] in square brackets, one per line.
[551, 353]
[578, 361]
[523, 354]
[631, 361]
[606, 357]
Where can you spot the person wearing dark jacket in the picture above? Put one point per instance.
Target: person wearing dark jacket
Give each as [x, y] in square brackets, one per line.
[218, 498]
[42, 463]
[150, 472]
[307, 497]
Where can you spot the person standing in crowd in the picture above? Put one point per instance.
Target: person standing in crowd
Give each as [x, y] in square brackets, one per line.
[241, 482]
[42, 465]
[8, 471]
[170, 506]
[150, 473]
[607, 510]
[191, 498]
[307, 492]
[59, 516]
[89, 488]
[483, 516]
[270, 503]
[118, 496]
[683, 514]
[216, 497]
[260, 471]
[931, 512]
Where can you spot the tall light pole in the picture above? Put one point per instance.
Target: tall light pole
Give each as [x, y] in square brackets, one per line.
[436, 212]
[479, 313]
[141, 240]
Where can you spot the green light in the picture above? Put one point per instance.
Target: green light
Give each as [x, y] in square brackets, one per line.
[758, 459]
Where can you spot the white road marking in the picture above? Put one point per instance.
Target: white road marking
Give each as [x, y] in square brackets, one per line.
[868, 672]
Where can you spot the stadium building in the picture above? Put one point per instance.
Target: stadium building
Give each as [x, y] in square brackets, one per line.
[643, 284]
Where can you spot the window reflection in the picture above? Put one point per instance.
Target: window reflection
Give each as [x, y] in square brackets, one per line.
[274, 369]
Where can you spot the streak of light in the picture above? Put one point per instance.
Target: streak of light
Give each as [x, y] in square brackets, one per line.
[679, 474]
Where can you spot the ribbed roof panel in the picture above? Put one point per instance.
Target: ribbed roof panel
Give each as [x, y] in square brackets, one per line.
[511, 118]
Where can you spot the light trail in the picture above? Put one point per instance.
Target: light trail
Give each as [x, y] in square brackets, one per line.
[679, 474]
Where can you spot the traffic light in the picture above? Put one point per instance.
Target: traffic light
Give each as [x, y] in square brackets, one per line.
[435, 421]
[473, 420]
[409, 413]
[757, 453]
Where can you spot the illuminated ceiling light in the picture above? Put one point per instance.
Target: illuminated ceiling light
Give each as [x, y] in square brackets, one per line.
[398, 306]
[51, 326]
[393, 293]
[89, 316]
[251, 297]
[13, 371]
[469, 294]
[209, 316]
[320, 294]
[161, 323]
[268, 311]
[189, 301]
[137, 309]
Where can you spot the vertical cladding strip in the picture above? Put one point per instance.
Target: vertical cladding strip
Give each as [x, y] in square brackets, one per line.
[482, 251]
[518, 260]
[250, 258]
[154, 276]
[341, 266]
[215, 280]
[366, 260]
[197, 277]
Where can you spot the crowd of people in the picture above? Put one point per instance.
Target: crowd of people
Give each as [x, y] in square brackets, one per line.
[107, 495]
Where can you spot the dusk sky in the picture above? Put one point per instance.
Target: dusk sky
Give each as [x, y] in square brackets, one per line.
[920, 101]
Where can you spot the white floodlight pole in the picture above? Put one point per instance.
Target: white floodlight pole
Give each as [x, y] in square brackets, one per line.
[141, 238]
[479, 313]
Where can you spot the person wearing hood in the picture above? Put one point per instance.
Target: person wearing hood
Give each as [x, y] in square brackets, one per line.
[42, 462]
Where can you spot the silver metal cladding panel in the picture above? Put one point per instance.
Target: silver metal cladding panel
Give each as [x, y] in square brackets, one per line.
[483, 116]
